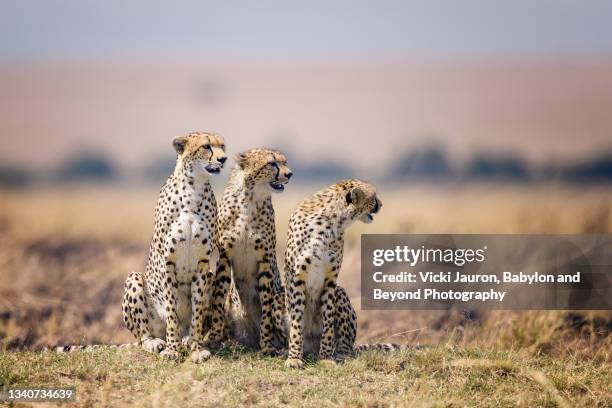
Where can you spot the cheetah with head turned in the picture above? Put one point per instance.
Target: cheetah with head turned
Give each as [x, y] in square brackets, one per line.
[247, 238]
[167, 305]
[322, 319]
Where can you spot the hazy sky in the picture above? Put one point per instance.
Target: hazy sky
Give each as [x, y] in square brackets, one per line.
[277, 29]
[529, 76]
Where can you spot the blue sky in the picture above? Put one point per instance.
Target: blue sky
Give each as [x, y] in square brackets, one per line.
[283, 29]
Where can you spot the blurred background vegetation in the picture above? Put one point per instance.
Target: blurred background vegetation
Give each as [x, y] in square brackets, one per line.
[422, 165]
[471, 117]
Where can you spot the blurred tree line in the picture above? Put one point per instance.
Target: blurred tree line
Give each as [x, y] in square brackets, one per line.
[433, 164]
[430, 164]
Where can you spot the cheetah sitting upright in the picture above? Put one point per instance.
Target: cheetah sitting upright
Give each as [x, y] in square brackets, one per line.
[167, 305]
[247, 240]
[322, 318]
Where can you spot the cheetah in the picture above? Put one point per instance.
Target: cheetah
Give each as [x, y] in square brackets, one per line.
[321, 317]
[166, 306]
[247, 239]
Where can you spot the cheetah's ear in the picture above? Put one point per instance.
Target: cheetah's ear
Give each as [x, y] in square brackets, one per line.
[179, 144]
[240, 159]
[355, 196]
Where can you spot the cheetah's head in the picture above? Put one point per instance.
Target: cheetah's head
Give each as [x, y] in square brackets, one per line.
[200, 153]
[266, 168]
[361, 199]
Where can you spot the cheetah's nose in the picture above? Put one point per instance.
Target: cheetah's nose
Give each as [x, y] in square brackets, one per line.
[288, 175]
[222, 159]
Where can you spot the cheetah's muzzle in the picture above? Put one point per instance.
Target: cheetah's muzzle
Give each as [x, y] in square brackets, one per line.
[213, 169]
[277, 186]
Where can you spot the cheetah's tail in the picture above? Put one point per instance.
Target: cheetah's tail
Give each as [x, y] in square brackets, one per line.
[90, 347]
[386, 347]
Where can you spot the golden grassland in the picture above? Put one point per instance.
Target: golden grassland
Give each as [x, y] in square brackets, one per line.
[445, 375]
[64, 254]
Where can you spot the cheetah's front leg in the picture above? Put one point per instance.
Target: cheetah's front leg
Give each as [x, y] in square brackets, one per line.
[200, 307]
[328, 304]
[296, 300]
[222, 280]
[173, 338]
[279, 312]
[265, 292]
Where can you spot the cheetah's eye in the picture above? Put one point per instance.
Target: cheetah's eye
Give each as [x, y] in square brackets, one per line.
[223, 147]
[206, 146]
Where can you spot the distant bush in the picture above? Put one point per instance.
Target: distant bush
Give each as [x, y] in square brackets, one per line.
[426, 164]
[432, 164]
[12, 176]
[89, 166]
[508, 168]
[159, 169]
[595, 170]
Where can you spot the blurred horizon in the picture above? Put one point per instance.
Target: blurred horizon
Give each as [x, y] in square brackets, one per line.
[351, 87]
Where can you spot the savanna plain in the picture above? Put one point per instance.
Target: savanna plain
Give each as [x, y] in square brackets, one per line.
[65, 252]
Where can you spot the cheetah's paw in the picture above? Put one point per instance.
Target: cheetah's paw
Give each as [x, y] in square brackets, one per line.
[199, 356]
[153, 345]
[170, 354]
[294, 363]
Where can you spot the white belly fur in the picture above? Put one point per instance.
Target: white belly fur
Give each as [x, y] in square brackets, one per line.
[188, 251]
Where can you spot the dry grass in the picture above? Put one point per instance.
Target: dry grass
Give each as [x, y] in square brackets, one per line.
[64, 256]
[445, 375]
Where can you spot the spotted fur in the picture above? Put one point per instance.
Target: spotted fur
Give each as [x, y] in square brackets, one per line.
[247, 238]
[166, 306]
[90, 347]
[385, 347]
[322, 319]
